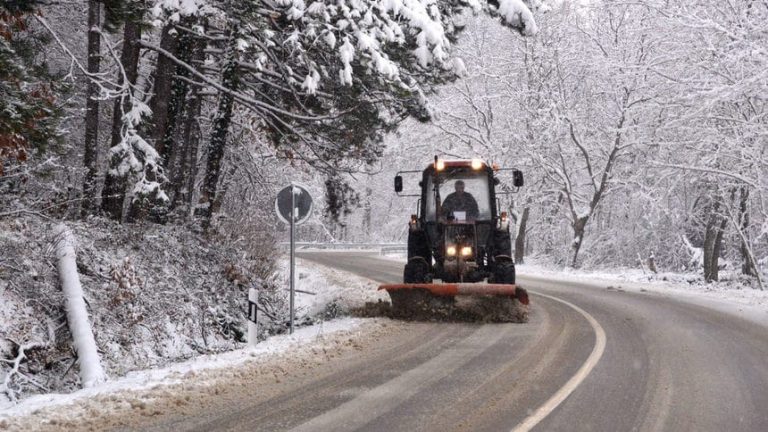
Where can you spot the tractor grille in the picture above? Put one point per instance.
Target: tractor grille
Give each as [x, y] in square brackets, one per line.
[460, 235]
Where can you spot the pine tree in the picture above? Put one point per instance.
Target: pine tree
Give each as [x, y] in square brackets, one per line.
[28, 112]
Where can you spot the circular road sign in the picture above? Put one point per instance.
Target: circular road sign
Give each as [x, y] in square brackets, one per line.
[302, 201]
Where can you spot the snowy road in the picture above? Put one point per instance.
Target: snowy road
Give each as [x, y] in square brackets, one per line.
[667, 365]
[590, 359]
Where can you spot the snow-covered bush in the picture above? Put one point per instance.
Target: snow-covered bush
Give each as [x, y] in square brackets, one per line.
[155, 294]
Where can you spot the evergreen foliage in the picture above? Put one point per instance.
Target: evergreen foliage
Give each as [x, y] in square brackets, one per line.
[28, 103]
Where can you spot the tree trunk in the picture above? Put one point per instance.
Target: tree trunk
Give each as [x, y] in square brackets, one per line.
[748, 265]
[163, 109]
[718, 245]
[219, 132]
[713, 238]
[652, 263]
[91, 156]
[184, 185]
[115, 183]
[520, 239]
[183, 108]
[184, 169]
[222, 190]
[367, 211]
[710, 273]
[578, 238]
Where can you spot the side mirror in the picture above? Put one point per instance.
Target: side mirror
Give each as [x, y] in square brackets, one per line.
[517, 178]
[398, 184]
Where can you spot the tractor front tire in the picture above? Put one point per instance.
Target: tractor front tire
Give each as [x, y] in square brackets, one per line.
[416, 271]
[504, 273]
[418, 246]
[502, 243]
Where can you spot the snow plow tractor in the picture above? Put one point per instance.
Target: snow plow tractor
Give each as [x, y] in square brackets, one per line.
[458, 243]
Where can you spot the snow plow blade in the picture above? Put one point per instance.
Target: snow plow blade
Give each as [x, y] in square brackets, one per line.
[461, 289]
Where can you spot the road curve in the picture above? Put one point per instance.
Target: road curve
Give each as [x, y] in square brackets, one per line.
[589, 359]
[668, 365]
[434, 376]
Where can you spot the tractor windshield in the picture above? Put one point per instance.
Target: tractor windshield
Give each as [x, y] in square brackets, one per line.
[464, 195]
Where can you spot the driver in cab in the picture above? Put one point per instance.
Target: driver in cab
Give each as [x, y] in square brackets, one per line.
[460, 201]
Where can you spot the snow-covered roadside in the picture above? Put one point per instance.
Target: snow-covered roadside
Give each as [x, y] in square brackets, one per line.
[307, 343]
[331, 289]
[184, 387]
[155, 294]
[728, 295]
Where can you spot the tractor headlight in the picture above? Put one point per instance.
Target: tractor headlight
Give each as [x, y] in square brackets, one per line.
[439, 165]
[466, 251]
[477, 164]
[450, 251]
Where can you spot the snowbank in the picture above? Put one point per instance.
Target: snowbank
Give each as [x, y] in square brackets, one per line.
[729, 295]
[333, 291]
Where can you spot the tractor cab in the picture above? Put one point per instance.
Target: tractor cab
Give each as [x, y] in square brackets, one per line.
[458, 233]
[457, 195]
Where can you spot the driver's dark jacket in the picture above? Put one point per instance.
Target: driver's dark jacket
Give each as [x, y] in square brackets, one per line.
[466, 203]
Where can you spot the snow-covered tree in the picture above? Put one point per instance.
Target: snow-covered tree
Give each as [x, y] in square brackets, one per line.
[322, 80]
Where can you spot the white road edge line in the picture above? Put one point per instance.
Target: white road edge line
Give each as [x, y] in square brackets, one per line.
[594, 357]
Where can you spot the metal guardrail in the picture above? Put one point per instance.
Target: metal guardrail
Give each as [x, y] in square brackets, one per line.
[384, 248]
[390, 249]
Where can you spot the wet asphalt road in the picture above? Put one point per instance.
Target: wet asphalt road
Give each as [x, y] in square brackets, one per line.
[667, 365]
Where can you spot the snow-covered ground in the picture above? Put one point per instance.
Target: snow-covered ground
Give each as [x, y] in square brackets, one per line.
[330, 289]
[309, 343]
[729, 295]
[155, 294]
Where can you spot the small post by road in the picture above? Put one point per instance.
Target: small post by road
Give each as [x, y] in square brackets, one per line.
[253, 301]
[293, 206]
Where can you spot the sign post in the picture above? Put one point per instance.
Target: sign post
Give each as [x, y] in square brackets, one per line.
[293, 206]
[293, 252]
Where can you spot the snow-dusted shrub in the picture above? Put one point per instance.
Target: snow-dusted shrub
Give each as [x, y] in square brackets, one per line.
[155, 294]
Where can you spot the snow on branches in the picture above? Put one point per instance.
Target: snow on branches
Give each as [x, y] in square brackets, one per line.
[363, 36]
[134, 157]
[370, 28]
